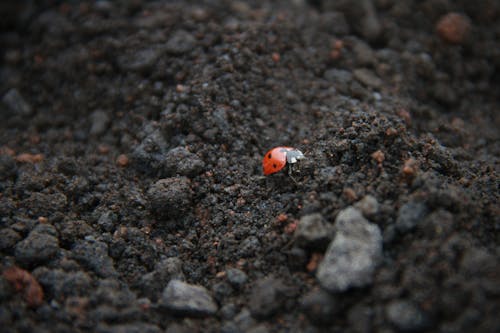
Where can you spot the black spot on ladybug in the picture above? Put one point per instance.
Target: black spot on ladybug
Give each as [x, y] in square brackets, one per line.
[274, 166]
[269, 156]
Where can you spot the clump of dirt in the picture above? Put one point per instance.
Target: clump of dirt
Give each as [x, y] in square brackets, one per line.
[132, 193]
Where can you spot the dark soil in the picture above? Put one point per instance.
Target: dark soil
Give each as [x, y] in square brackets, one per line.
[132, 194]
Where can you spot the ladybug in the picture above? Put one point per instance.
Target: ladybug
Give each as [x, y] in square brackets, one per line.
[276, 159]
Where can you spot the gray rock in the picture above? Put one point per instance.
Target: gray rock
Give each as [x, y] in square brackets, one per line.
[107, 220]
[170, 197]
[16, 103]
[180, 42]
[313, 231]
[236, 277]
[94, 256]
[406, 316]
[228, 311]
[479, 263]
[341, 80]
[319, 306]
[8, 238]
[363, 53]
[354, 253]
[338, 75]
[142, 60]
[149, 155]
[153, 283]
[45, 204]
[59, 284]
[267, 297]
[242, 322]
[249, 246]
[409, 215]
[334, 23]
[367, 77]
[361, 15]
[99, 123]
[370, 26]
[38, 247]
[187, 300]
[181, 161]
[369, 206]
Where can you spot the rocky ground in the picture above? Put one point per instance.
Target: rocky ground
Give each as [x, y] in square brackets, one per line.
[132, 194]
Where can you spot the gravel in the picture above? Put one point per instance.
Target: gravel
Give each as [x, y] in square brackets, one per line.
[320, 306]
[16, 103]
[406, 316]
[353, 255]
[409, 215]
[37, 248]
[188, 300]
[180, 42]
[170, 198]
[313, 232]
[266, 297]
[236, 277]
[153, 283]
[182, 162]
[99, 120]
[369, 206]
[93, 255]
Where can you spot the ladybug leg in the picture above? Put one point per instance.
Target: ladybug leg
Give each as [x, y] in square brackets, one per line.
[290, 171]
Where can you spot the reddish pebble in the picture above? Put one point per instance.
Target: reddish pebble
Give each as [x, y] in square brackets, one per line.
[103, 149]
[29, 158]
[282, 218]
[378, 156]
[24, 282]
[122, 160]
[350, 194]
[410, 167]
[290, 228]
[312, 265]
[276, 57]
[453, 28]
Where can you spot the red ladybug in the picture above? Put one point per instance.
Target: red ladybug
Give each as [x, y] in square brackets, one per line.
[278, 157]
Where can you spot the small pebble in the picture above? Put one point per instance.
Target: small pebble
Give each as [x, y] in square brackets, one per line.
[94, 256]
[180, 42]
[122, 160]
[453, 28]
[236, 277]
[170, 197]
[369, 206]
[37, 248]
[319, 306]
[406, 316]
[181, 161]
[313, 231]
[367, 77]
[99, 122]
[16, 103]
[266, 298]
[409, 215]
[353, 255]
[187, 300]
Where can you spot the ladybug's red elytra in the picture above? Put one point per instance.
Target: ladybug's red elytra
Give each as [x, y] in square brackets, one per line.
[276, 159]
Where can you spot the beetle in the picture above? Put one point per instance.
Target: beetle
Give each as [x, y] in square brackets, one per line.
[278, 157]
